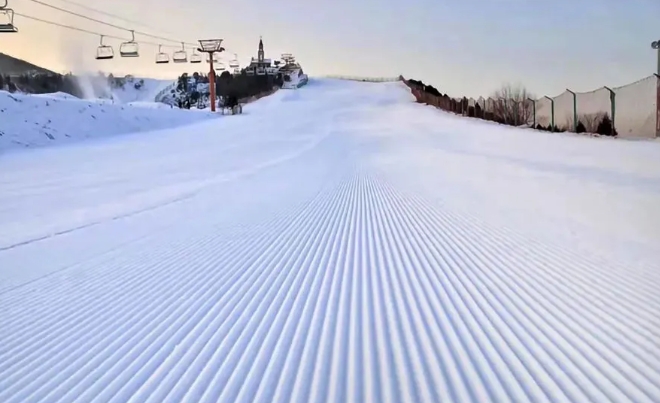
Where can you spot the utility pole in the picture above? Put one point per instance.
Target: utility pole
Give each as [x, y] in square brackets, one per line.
[211, 46]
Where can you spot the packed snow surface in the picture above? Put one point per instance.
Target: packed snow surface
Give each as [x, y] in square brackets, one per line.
[338, 243]
[28, 121]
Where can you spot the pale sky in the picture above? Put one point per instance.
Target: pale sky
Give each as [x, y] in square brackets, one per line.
[461, 47]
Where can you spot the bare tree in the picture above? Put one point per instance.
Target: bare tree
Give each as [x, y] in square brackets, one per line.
[512, 105]
[591, 121]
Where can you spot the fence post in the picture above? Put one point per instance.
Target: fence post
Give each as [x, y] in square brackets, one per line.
[533, 112]
[612, 108]
[657, 100]
[552, 112]
[575, 119]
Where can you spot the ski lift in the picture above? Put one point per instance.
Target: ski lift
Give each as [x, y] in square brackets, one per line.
[6, 18]
[195, 57]
[162, 57]
[104, 52]
[180, 56]
[130, 48]
[261, 71]
[233, 63]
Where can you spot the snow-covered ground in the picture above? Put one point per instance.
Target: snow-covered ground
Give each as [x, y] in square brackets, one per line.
[146, 93]
[338, 243]
[39, 120]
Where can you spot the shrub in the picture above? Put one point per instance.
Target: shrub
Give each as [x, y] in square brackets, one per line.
[429, 89]
[517, 109]
[580, 128]
[605, 127]
[478, 111]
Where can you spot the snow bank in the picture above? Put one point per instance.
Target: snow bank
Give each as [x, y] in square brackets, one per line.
[40, 120]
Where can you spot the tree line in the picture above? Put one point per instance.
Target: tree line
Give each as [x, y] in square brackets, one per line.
[194, 89]
[40, 83]
[513, 108]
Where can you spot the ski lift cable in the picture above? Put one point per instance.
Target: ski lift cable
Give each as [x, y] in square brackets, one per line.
[115, 16]
[90, 32]
[87, 31]
[106, 23]
[57, 24]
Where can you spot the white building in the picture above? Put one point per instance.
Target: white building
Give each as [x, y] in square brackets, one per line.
[260, 65]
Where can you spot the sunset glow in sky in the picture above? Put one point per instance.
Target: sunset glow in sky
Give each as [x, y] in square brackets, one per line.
[463, 48]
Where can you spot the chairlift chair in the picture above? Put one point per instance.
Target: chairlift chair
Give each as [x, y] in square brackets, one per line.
[195, 57]
[180, 56]
[6, 19]
[233, 63]
[261, 71]
[162, 57]
[130, 48]
[104, 52]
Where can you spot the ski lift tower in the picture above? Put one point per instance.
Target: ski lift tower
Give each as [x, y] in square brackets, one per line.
[211, 46]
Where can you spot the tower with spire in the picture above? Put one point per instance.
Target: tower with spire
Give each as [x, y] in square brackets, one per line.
[260, 54]
[260, 65]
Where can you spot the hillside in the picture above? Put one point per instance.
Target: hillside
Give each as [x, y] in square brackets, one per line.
[12, 66]
[337, 243]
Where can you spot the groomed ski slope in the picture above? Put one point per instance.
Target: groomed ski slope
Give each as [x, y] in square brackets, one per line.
[339, 243]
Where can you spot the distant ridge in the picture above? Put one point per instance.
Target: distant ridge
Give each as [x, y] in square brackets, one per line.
[11, 66]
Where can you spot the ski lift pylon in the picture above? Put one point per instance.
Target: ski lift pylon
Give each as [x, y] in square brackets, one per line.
[180, 56]
[216, 57]
[130, 48]
[104, 52]
[6, 18]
